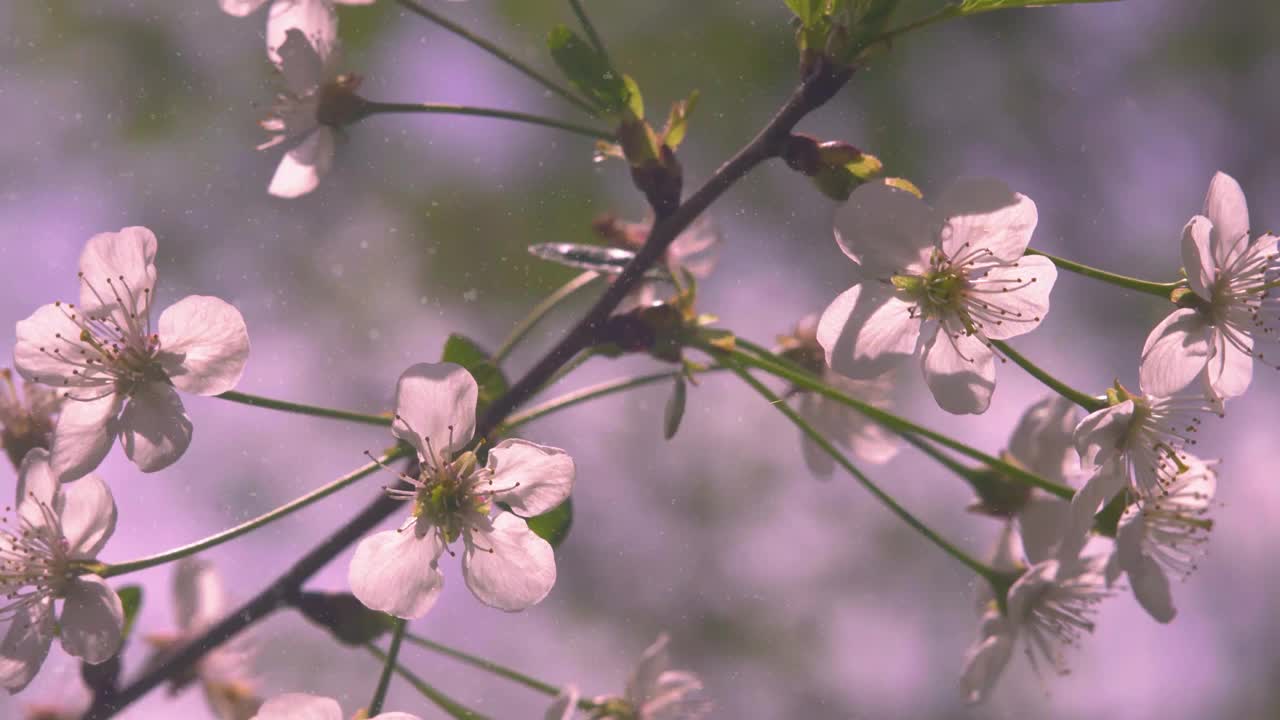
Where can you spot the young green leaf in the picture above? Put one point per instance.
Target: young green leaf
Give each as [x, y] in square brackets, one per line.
[131, 600]
[553, 525]
[807, 10]
[973, 7]
[675, 408]
[590, 72]
[464, 351]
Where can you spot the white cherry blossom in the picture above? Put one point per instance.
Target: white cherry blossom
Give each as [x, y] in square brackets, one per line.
[316, 19]
[505, 564]
[654, 692]
[117, 374]
[1231, 305]
[300, 706]
[1163, 535]
[27, 417]
[940, 283]
[52, 528]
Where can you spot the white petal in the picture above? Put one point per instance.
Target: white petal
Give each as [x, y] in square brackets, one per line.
[1226, 208]
[302, 167]
[1175, 353]
[38, 487]
[200, 600]
[960, 370]
[25, 645]
[298, 706]
[1105, 483]
[542, 476]
[1043, 522]
[154, 428]
[394, 715]
[88, 516]
[240, 8]
[565, 705]
[315, 19]
[83, 435]
[300, 64]
[865, 331]
[886, 230]
[1102, 433]
[1129, 534]
[653, 663]
[985, 660]
[436, 402]
[985, 213]
[395, 571]
[1043, 440]
[1011, 300]
[1197, 256]
[92, 620]
[1029, 588]
[48, 350]
[507, 566]
[127, 260]
[1230, 368]
[204, 344]
[1151, 588]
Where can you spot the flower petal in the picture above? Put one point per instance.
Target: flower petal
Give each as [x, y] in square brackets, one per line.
[48, 350]
[1197, 256]
[119, 271]
[316, 20]
[395, 571]
[1175, 353]
[643, 682]
[240, 8]
[1231, 367]
[1011, 300]
[542, 476]
[204, 344]
[565, 705]
[436, 402]
[1151, 589]
[1043, 523]
[88, 516]
[865, 331]
[1102, 433]
[982, 213]
[300, 706]
[92, 620]
[507, 566]
[301, 168]
[38, 487]
[986, 659]
[83, 435]
[154, 428]
[1226, 208]
[200, 600]
[886, 230]
[1105, 483]
[394, 715]
[1043, 439]
[26, 644]
[960, 370]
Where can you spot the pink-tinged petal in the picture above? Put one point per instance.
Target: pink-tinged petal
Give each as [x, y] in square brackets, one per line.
[984, 214]
[695, 250]
[88, 516]
[394, 715]
[299, 706]
[1129, 534]
[92, 621]
[1028, 589]
[315, 19]
[565, 705]
[866, 331]
[1175, 353]
[1043, 441]
[302, 167]
[26, 644]
[395, 571]
[670, 700]
[300, 64]
[653, 663]
[886, 230]
[1043, 522]
[356, 2]
[1011, 300]
[986, 659]
[240, 8]
[436, 402]
[119, 270]
[1226, 208]
[204, 344]
[507, 566]
[1151, 589]
[1230, 368]
[83, 435]
[154, 428]
[1097, 491]
[37, 497]
[960, 371]
[48, 350]
[1102, 433]
[200, 600]
[540, 477]
[1197, 256]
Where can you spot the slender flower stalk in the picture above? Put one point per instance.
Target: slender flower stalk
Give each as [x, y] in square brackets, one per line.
[451, 707]
[1161, 290]
[489, 666]
[302, 409]
[389, 664]
[539, 311]
[590, 29]
[1088, 402]
[588, 393]
[381, 108]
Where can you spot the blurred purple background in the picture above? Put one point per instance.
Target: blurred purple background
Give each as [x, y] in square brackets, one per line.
[792, 598]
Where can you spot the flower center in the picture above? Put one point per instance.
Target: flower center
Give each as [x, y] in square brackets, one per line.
[447, 496]
[34, 557]
[936, 292]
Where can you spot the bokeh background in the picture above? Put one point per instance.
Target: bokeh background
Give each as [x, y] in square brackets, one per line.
[791, 597]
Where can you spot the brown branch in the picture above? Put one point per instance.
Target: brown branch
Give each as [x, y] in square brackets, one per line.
[819, 86]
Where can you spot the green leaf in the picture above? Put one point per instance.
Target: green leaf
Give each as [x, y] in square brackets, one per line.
[553, 525]
[343, 615]
[973, 7]
[675, 408]
[806, 10]
[635, 101]
[589, 71]
[131, 600]
[678, 120]
[464, 351]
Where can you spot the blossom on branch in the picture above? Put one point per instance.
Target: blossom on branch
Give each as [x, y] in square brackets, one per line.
[506, 565]
[53, 529]
[694, 251]
[300, 706]
[654, 692]
[939, 282]
[1230, 306]
[316, 19]
[116, 373]
[27, 417]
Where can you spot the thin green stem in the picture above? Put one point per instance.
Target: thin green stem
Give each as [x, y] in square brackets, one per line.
[486, 665]
[1143, 286]
[540, 311]
[499, 53]
[388, 665]
[980, 568]
[451, 707]
[378, 108]
[318, 494]
[1088, 402]
[300, 409]
[939, 457]
[895, 423]
[590, 29]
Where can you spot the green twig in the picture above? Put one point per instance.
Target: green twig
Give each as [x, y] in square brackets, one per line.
[451, 707]
[1143, 286]
[378, 108]
[388, 665]
[1088, 402]
[590, 29]
[540, 311]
